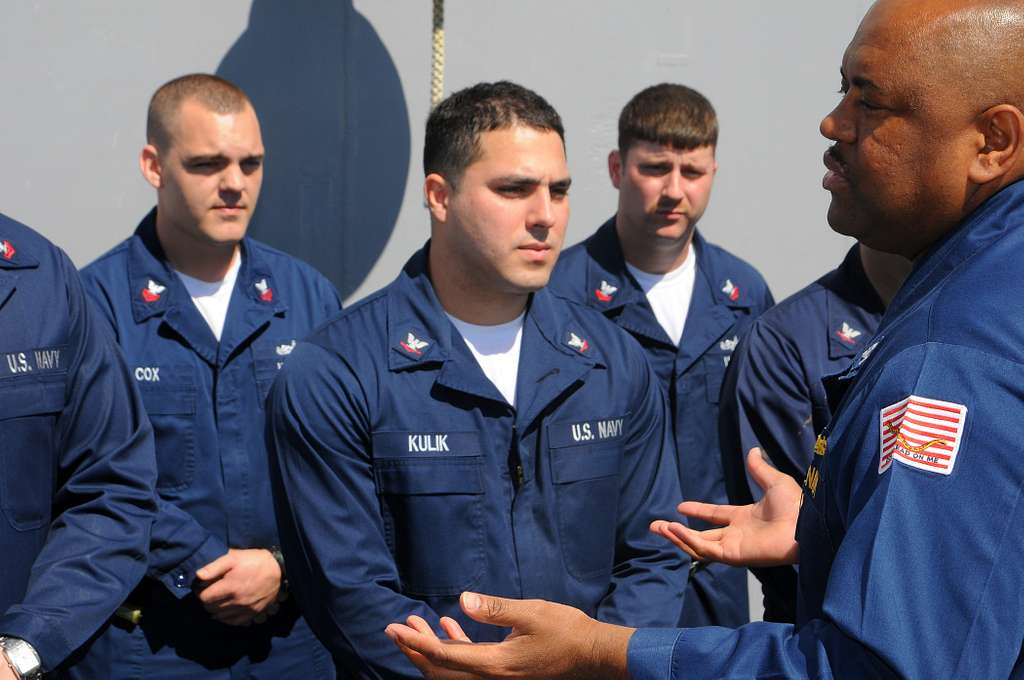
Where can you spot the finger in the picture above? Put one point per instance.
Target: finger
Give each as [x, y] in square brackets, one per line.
[682, 537]
[763, 473]
[708, 512]
[216, 595]
[703, 548]
[453, 630]
[497, 611]
[417, 623]
[435, 654]
[669, 536]
[216, 569]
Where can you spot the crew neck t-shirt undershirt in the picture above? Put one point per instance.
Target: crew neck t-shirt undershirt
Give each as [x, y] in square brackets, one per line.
[496, 349]
[211, 298]
[670, 294]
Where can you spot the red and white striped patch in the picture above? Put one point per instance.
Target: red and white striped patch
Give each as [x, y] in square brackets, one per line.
[922, 433]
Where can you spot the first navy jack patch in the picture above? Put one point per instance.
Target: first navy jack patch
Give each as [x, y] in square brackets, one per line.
[921, 433]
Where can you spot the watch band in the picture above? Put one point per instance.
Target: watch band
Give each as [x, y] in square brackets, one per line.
[282, 594]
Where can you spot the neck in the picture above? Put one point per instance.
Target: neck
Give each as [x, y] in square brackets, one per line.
[464, 298]
[192, 257]
[885, 271]
[654, 256]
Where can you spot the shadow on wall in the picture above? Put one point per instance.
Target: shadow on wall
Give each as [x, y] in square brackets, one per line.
[336, 129]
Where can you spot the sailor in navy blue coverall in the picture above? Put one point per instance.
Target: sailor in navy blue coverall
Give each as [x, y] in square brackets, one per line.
[727, 294]
[205, 399]
[773, 396]
[76, 459]
[404, 476]
[912, 518]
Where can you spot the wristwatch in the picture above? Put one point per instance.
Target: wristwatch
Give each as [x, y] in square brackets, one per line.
[21, 657]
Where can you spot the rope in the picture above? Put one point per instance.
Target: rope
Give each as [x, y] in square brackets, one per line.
[437, 56]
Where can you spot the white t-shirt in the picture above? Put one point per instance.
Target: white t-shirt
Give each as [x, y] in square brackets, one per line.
[670, 294]
[212, 298]
[496, 349]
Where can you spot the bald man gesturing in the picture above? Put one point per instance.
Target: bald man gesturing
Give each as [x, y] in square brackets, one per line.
[912, 518]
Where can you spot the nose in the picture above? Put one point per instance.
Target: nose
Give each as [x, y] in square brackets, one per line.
[673, 188]
[838, 124]
[542, 211]
[232, 179]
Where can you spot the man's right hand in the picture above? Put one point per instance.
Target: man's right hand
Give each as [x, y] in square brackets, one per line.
[758, 535]
[5, 671]
[548, 642]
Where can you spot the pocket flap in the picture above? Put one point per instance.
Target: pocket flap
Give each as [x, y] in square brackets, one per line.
[422, 476]
[575, 465]
[160, 402]
[19, 397]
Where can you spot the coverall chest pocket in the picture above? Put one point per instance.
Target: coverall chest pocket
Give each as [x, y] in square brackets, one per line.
[171, 406]
[29, 457]
[433, 521]
[586, 459]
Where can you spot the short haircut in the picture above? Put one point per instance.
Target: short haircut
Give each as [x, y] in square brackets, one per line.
[671, 115]
[452, 140]
[213, 92]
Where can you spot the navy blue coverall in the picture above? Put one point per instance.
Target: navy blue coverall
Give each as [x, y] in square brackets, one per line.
[76, 456]
[402, 476]
[773, 396]
[206, 402]
[727, 295]
[912, 520]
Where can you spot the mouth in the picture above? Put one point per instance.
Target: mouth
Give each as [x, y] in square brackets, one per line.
[836, 171]
[536, 251]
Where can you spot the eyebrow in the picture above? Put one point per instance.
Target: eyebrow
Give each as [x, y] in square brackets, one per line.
[862, 82]
[525, 181]
[221, 157]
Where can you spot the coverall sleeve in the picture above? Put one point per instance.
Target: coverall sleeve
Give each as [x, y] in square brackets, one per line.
[329, 517]
[180, 546]
[925, 582]
[765, 402]
[649, 574]
[95, 550]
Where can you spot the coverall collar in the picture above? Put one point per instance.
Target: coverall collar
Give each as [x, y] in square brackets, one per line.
[554, 352]
[13, 256]
[156, 289]
[713, 307]
[848, 288]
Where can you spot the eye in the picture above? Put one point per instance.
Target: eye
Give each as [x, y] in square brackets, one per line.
[251, 164]
[513, 190]
[558, 193]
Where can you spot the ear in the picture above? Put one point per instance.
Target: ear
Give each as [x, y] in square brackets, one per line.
[149, 164]
[438, 193]
[615, 167]
[1000, 141]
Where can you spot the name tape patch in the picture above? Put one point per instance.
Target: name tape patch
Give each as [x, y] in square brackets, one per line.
[587, 431]
[404, 444]
[922, 433]
[42, 360]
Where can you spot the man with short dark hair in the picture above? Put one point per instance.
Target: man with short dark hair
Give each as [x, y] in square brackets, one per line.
[206, 317]
[911, 518]
[465, 428]
[76, 462]
[685, 300]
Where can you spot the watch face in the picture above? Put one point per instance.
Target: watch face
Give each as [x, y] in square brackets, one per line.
[22, 656]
